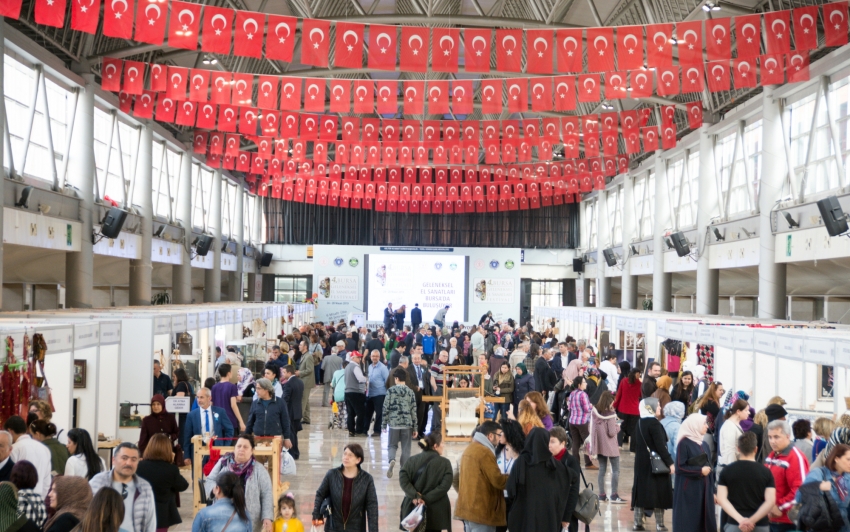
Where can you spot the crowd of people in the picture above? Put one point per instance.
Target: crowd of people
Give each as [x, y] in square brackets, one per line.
[568, 409]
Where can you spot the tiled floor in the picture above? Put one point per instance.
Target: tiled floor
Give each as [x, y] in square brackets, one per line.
[321, 449]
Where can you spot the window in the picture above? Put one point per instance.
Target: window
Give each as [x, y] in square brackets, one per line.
[839, 100]
[201, 192]
[165, 182]
[684, 189]
[821, 174]
[615, 215]
[547, 293]
[752, 140]
[291, 288]
[19, 86]
[735, 193]
[228, 198]
[645, 202]
[110, 183]
[592, 225]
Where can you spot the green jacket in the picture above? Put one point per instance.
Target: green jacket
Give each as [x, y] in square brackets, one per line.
[432, 485]
[399, 407]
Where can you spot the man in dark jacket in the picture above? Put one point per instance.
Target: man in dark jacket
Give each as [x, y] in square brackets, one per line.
[269, 415]
[6, 462]
[421, 378]
[293, 394]
[415, 317]
[374, 343]
[648, 385]
[389, 318]
[544, 377]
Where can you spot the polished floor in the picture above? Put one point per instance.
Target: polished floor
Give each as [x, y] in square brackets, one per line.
[321, 449]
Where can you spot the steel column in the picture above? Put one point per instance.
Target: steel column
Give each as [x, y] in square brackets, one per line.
[212, 277]
[628, 298]
[234, 285]
[662, 283]
[603, 283]
[181, 274]
[708, 207]
[141, 269]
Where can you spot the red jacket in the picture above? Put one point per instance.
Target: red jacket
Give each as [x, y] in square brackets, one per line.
[628, 398]
[789, 469]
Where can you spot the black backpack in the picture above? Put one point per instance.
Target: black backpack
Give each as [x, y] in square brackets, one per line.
[818, 511]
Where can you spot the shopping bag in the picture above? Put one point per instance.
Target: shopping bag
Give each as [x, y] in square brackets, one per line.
[415, 519]
[287, 463]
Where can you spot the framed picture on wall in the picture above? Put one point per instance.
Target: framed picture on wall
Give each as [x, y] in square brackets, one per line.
[79, 374]
[826, 382]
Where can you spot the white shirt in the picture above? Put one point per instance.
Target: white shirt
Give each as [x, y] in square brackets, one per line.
[76, 466]
[38, 455]
[452, 355]
[610, 370]
[204, 428]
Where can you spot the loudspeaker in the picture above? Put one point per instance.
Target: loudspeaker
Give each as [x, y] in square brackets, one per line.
[203, 245]
[112, 222]
[578, 265]
[266, 260]
[610, 257]
[833, 216]
[680, 242]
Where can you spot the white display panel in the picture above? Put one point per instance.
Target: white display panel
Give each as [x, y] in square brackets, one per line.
[432, 281]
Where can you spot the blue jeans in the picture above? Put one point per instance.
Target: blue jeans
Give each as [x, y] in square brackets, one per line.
[439, 323]
[502, 408]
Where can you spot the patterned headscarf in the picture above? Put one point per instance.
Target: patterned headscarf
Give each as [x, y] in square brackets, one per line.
[647, 407]
[73, 496]
[839, 435]
[246, 378]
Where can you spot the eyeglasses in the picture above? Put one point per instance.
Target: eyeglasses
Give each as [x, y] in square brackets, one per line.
[500, 434]
[124, 491]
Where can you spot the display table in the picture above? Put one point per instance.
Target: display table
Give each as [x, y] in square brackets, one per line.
[107, 446]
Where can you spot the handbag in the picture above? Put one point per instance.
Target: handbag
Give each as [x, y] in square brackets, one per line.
[287, 463]
[326, 511]
[656, 464]
[420, 525]
[587, 506]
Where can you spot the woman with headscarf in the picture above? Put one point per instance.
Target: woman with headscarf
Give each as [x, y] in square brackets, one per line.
[69, 498]
[693, 495]
[840, 435]
[539, 485]
[162, 421]
[674, 413]
[662, 392]
[650, 491]
[9, 520]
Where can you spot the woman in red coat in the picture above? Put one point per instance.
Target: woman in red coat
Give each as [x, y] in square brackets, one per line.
[160, 421]
[626, 405]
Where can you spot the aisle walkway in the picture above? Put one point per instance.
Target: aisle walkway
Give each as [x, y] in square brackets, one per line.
[321, 449]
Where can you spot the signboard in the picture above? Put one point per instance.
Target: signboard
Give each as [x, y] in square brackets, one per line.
[178, 405]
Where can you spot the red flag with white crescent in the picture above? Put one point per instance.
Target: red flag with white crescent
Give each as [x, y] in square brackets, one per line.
[280, 38]
[718, 76]
[340, 96]
[694, 115]
[382, 47]
[125, 102]
[491, 96]
[290, 94]
[186, 111]
[243, 89]
[517, 95]
[772, 69]
[748, 36]
[118, 18]
[745, 73]
[199, 144]
[248, 40]
[650, 138]
[415, 43]
[588, 88]
[134, 77]
[414, 97]
[364, 96]
[539, 53]
[248, 120]
[217, 33]
[348, 51]
[231, 145]
[158, 78]
[835, 23]
[227, 117]
[640, 82]
[476, 45]
[718, 39]
[387, 101]
[199, 85]
[110, 74]
[778, 31]
[444, 55]
[798, 67]
[615, 85]
[183, 26]
[668, 136]
[600, 50]
[314, 95]
[462, 96]
[805, 27]
[438, 97]
[659, 49]
[143, 106]
[267, 92]
[315, 42]
[569, 46]
[689, 42]
[668, 81]
[270, 123]
[509, 50]
[541, 94]
[178, 80]
[150, 21]
[692, 78]
[565, 93]
[630, 47]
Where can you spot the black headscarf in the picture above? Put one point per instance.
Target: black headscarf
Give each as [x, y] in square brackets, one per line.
[625, 368]
[536, 450]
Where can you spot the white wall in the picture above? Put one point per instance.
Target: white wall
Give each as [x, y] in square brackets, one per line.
[87, 400]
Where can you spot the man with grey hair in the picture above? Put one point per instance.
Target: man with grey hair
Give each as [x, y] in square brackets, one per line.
[330, 365]
[269, 415]
[6, 462]
[789, 468]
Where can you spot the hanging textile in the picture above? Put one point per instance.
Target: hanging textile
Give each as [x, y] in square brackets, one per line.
[705, 357]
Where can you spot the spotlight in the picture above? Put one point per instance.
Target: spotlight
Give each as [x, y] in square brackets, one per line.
[717, 235]
[792, 223]
[633, 249]
[159, 231]
[610, 257]
[680, 242]
[24, 199]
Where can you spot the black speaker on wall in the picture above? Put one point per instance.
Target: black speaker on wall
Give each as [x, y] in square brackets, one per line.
[680, 242]
[266, 260]
[578, 265]
[833, 216]
[610, 257]
[111, 225]
[203, 245]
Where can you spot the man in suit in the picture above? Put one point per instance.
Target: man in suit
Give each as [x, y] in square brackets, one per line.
[415, 317]
[207, 421]
[306, 367]
[6, 461]
[421, 378]
[293, 394]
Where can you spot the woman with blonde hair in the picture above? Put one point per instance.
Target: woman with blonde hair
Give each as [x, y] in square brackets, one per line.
[540, 408]
[822, 428]
[528, 417]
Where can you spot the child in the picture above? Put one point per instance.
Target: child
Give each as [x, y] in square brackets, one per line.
[286, 519]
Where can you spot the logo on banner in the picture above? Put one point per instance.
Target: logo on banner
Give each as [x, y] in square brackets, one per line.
[338, 261]
[479, 264]
[453, 266]
[494, 264]
[353, 262]
[509, 264]
[438, 265]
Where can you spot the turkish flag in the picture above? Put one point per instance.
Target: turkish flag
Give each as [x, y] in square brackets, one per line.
[778, 34]
[689, 42]
[444, 54]
[692, 78]
[382, 47]
[227, 117]
[85, 14]
[243, 162]
[668, 81]
[805, 27]
[199, 145]
[631, 139]
[143, 106]
[370, 129]
[461, 96]
[329, 127]
[748, 36]
[267, 92]
[117, 18]
[798, 67]
[165, 109]
[517, 95]
[250, 27]
[314, 95]
[565, 93]
[348, 51]
[659, 49]
[315, 42]
[159, 80]
[650, 138]
[609, 144]
[570, 127]
[772, 69]
[668, 136]
[415, 43]
[216, 36]
[270, 123]
[549, 131]
[178, 80]
[264, 147]
[340, 96]
[718, 42]
[364, 96]
[588, 87]
[835, 23]
[438, 97]
[509, 50]
[491, 96]
[694, 115]
[569, 46]
[541, 94]
[491, 130]
[231, 144]
[539, 54]
[248, 120]
[630, 47]
[387, 97]
[290, 94]
[745, 73]
[199, 85]
[600, 50]
[213, 161]
[615, 85]
[476, 45]
[280, 38]
[668, 115]
[414, 97]
[718, 76]
[125, 102]
[243, 89]
[309, 127]
[134, 77]
[183, 26]
[150, 22]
